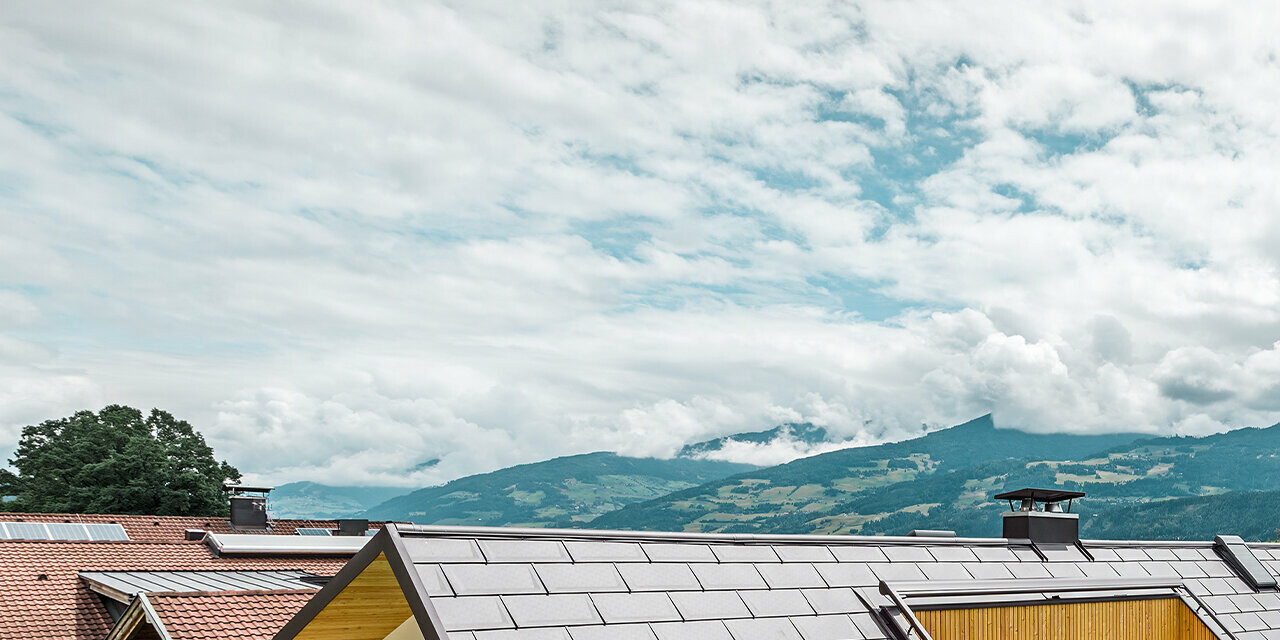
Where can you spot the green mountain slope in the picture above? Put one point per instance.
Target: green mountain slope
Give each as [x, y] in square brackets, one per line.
[1252, 515]
[1116, 480]
[802, 496]
[321, 501]
[564, 492]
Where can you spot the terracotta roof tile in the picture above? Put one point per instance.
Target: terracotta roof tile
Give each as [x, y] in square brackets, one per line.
[42, 596]
[227, 615]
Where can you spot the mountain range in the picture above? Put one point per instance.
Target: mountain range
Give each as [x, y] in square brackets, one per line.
[1138, 486]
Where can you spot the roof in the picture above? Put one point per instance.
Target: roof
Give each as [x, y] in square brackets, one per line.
[43, 596]
[215, 615]
[465, 583]
[170, 528]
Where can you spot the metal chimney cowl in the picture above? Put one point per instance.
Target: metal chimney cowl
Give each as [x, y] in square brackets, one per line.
[1050, 524]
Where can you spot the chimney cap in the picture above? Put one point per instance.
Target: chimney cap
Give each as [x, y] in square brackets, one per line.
[237, 488]
[1040, 495]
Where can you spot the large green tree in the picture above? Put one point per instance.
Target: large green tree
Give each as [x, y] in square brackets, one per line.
[116, 461]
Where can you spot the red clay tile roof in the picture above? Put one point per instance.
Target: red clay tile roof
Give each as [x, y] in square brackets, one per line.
[169, 528]
[42, 596]
[226, 615]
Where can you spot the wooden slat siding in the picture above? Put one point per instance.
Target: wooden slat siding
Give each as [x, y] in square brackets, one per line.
[1161, 619]
[372, 606]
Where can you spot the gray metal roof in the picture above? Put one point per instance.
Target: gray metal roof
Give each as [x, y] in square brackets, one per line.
[122, 585]
[504, 584]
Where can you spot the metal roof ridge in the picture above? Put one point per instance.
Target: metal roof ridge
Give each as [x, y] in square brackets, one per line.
[1148, 543]
[685, 536]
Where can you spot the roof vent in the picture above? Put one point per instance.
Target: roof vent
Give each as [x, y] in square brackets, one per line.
[1038, 515]
[193, 534]
[1241, 558]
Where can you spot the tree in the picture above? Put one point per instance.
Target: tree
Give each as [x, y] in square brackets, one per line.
[116, 461]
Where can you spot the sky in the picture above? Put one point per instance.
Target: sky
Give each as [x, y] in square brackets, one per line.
[346, 240]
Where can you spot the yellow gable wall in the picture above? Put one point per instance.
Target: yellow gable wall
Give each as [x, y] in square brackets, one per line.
[408, 630]
[1162, 619]
[371, 607]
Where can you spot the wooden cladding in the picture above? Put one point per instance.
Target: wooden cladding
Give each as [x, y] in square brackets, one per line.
[1160, 619]
[372, 606]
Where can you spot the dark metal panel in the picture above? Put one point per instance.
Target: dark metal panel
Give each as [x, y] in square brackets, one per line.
[825, 601]
[552, 610]
[679, 552]
[709, 630]
[763, 629]
[833, 627]
[792, 575]
[908, 554]
[580, 578]
[787, 602]
[953, 554]
[545, 633]
[745, 553]
[847, 574]
[1064, 570]
[612, 632]
[944, 571]
[472, 613]
[635, 607]
[994, 554]
[988, 570]
[803, 553]
[606, 551]
[858, 554]
[663, 576]
[442, 550]
[728, 576]
[492, 579]
[709, 605]
[524, 551]
[433, 580]
[897, 571]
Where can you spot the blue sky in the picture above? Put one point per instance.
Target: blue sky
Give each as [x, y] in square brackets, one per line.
[344, 242]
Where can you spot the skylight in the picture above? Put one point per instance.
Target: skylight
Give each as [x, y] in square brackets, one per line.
[251, 543]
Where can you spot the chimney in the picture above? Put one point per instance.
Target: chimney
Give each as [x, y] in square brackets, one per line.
[353, 527]
[248, 505]
[1039, 516]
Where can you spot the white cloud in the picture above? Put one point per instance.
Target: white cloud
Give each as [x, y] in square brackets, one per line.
[346, 242]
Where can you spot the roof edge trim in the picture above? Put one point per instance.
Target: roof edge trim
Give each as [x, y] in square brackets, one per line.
[424, 613]
[494, 533]
[154, 618]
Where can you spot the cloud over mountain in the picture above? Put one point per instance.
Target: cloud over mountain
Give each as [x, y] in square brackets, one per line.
[345, 240]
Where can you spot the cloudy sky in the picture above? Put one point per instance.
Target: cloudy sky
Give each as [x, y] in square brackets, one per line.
[345, 239]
